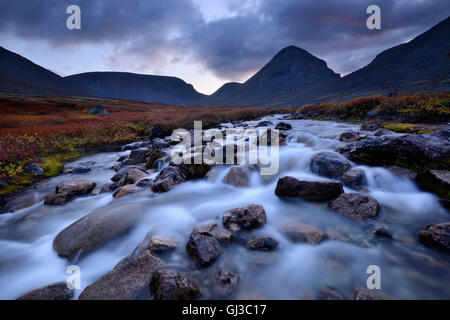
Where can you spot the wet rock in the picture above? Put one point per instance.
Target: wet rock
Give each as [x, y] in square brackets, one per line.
[159, 143]
[138, 156]
[162, 244]
[329, 164]
[283, 126]
[264, 124]
[225, 282]
[126, 190]
[261, 258]
[437, 181]
[382, 132]
[95, 229]
[436, 236]
[238, 177]
[122, 173]
[244, 218]
[136, 145]
[68, 189]
[33, 168]
[330, 293]
[159, 132]
[349, 136]
[336, 235]
[356, 206]
[168, 178]
[145, 183]
[19, 202]
[371, 126]
[204, 250]
[134, 175]
[353, 178]
[413, 151]
[171, 284]
[126, 282]
[382, 232]
[211, 175]
[80, 170]
[213, 230]
[302, 233]
[56, 291]
[110, 187]
[194, 171]
[290, 187]
[155, 158]
[402, 172]
[262, 244]
[367, 294]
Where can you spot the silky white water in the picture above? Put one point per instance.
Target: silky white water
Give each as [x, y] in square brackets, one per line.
[409, 270]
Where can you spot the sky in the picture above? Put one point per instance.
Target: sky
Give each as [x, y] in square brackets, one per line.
[207, 42]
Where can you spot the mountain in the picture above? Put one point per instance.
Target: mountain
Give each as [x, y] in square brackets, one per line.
[20, 75]
[149, 88]
[290, 69]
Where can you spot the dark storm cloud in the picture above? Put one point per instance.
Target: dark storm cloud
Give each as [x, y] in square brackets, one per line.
[231, 46]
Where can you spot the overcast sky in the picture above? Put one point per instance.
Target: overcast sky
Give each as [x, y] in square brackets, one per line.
[207, 42]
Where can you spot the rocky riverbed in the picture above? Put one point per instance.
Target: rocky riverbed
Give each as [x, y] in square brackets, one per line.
[141, 227]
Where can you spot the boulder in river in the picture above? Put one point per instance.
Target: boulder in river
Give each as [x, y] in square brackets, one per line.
[213, 230]
[283, 126]
[171, 284]
[290, 187]
[330, 293]
[56, 291]
[302, 233]
[68, 189]
[138, 155]
[367, 294]
[155, 158]
[262, 243]
[194, 171]
[203, 249]
[80, 170]
[168, 178]
[134, 175]
[33, 168]
[349, 136]
[356, 206]
[436, 236]
[238, 177]
[95, 229]
[159, 132]
[437, 181]
[244, 218]
[264, 123]
[159, 143]
[128, 281]
[225, 282]
[415, 151]
[354, 178]
[126, 190]
[162, 244]
[136, 145]
[122, 173]
[329, 164]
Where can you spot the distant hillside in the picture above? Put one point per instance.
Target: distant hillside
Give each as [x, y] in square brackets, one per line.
[148, 88]
[292, 68]
[20, 75]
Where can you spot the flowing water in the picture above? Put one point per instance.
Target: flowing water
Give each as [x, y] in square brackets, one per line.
[409, 270]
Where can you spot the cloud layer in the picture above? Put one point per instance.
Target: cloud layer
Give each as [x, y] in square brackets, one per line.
[248, 34]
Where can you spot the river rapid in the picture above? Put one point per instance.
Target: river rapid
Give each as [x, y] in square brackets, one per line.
[409, 270]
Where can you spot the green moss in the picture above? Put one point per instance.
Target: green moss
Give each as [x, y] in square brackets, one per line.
[54, 165]
[10, 189]
[399, 127]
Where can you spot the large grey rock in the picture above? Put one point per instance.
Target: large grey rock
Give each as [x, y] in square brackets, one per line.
[283, 126]
[168, 178]
[262, 243]
[125, 282]
[349, 136]
[303, 233]
[138, 155]
[329, 164]
[437, 181]
[69, 189]
[126, 190]
[291, 187]
[56, 291]
[225, 282]
[134, 175]
[354, 178]
[244, 218]
[356, 206]
[203, 249]
[96, 229]
[171, 284]
[159, 143]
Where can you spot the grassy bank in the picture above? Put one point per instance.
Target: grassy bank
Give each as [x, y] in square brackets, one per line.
[53, 130]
